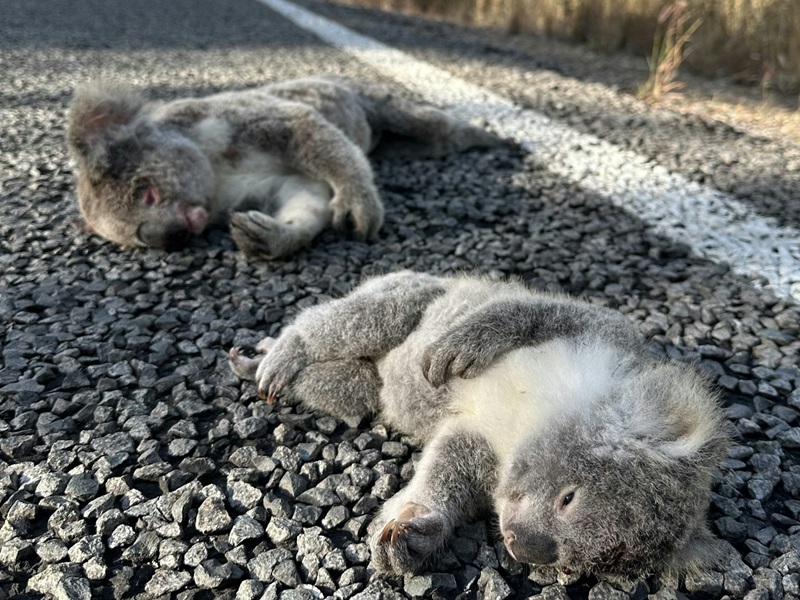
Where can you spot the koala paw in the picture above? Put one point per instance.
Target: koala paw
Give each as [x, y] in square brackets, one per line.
[362, 209]
[258, 235]
[408, 540]
[246, 367]
[285, 358]
[457, 354]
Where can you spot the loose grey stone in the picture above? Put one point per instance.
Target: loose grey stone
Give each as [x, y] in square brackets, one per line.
[604, 591]
[95, 568]
[245, 528]
[282, 531]
[249, 589]
[144, 549]
[757, 594]
[357, 554]
[554, 592]
[14, 551]
[82, 487]
[62, 582]
[113, 443]
[211, 574]
[320, 497]
[242, 496]
[196, 554]
[212, 516]
[98, 506]
[293, 484]
[709, 583]
[261, 566]
[51, 550]
[51, 484]
[791, 583]
[251, 428]
[67, 524]
[492, 584]
[286, 573]
[166, 582]
[335, 516]
[769, 579]
[334, 560]
[788, 563]
[88, 547]
[307, 515]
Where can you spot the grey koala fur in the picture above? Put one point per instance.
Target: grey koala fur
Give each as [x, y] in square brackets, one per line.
[549, 410]
[280, 162]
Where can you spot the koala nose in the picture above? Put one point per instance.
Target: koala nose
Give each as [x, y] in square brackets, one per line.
[535, 548]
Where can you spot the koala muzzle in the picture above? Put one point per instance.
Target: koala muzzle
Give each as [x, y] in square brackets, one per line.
[531, 548]
[157, 235]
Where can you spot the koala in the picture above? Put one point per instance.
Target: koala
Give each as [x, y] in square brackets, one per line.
[280, 163]
[596, 458]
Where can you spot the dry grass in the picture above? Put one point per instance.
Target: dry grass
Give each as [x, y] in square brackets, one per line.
[673, 32]
[755, 41]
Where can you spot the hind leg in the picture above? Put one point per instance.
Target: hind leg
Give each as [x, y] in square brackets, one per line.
[343, 388]
[425, 131]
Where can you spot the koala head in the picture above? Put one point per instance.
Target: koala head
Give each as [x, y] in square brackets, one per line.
[138, 184]
[623, 489]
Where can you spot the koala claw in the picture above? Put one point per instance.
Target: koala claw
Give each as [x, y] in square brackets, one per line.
[393, 530]
[243, 366]
[409, 539]
[365, 215]
[438, 366]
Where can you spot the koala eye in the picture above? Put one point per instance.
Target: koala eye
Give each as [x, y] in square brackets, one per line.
[565, 499]
[150, 197]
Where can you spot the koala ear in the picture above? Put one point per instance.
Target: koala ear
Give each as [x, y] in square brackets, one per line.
[98, 112]
[682, 419]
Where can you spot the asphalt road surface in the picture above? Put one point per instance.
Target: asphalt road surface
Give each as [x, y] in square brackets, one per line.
[134, 465]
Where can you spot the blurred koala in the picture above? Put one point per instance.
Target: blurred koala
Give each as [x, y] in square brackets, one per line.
[596, 458]
[280, 162]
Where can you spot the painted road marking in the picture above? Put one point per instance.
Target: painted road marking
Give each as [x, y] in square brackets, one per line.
[716, 226]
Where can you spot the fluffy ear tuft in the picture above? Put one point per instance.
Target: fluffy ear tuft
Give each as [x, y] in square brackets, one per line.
[97, 112]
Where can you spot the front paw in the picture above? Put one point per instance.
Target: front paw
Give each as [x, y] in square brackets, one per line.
[456, 354]
[360, 209]
[247, 367]
[405, 542]
[285, 359]
[258, 235]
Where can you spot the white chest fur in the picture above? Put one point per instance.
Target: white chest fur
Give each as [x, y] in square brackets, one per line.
[253, 175]
[530, 387]
[241, 173]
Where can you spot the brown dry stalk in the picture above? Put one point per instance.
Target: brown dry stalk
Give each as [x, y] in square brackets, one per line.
[755, 41]
[672, 35]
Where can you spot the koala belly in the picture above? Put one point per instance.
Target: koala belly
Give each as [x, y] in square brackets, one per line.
[261, 181]
[528, 388]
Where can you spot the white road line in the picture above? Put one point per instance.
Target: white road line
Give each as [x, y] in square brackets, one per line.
[715, 225]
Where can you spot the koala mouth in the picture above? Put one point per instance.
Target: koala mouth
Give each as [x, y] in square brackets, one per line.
[192, 218]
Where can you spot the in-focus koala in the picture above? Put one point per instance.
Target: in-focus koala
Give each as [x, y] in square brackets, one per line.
[596, 458]
[282, 161]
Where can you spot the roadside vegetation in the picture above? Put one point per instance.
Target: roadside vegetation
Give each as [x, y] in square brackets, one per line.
[751, 41]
